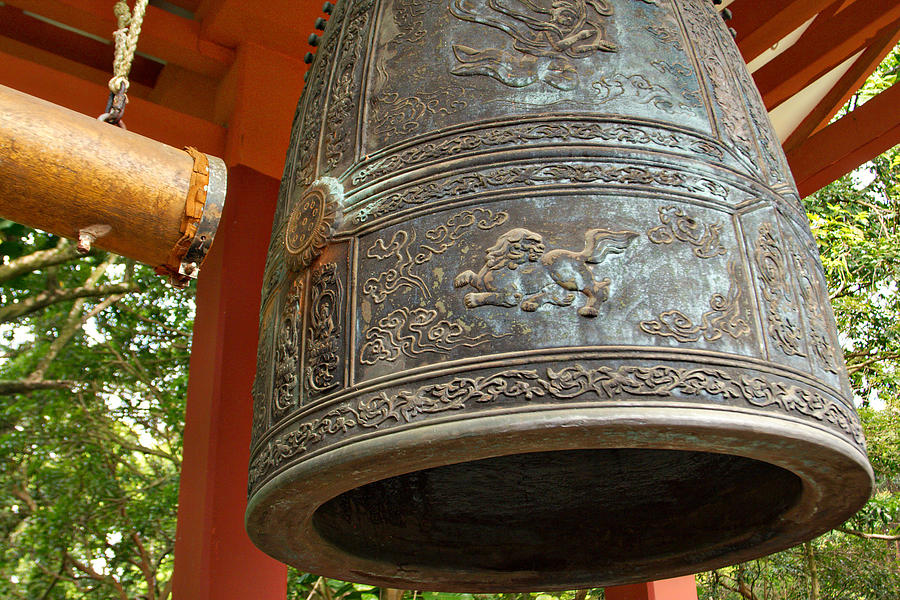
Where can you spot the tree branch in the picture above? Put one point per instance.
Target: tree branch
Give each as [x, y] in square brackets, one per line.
[853, 368]
[112, 436]
[46, 298]
[24, 496]
[73, 325]
[869, 536]
[23, 386]
[63, 252]
[160, 324]
[741, 589]
[166, 591]
[93, 574]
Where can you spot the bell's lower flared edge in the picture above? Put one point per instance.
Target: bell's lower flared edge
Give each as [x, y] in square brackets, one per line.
[619, 493]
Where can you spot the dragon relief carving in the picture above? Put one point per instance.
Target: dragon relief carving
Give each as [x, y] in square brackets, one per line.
[726, 315]
[413, 332]
[814, 300]
[780, 305]
[566, 384]
[519, 271]
[324, 332]
[677, 225]
[401, 275]
[287, 358]
[546, 39]
[637, 89]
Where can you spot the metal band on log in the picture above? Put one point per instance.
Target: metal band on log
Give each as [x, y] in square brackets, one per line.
[76, 177]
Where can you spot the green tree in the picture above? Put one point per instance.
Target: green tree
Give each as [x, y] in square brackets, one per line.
[92, 386]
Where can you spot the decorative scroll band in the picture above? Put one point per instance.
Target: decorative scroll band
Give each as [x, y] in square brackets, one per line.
[569, 383]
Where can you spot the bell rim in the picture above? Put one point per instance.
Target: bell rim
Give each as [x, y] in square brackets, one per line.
[837, 466]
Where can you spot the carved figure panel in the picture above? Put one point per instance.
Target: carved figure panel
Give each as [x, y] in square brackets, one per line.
[824, 348]
[677, 225]
[417, 332]
[325, 332]
[546, 39]
[307, 142]
[346, 90]
[520, 57]
[519, 271]
[262, 383]
[734, 123]
[727, 315]
[399, 257]
[782, 310]
[285, 393]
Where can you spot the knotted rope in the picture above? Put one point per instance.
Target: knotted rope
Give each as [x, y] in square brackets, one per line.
[126, 37]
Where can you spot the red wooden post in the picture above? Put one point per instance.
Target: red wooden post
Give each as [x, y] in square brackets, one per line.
[214, 558]
[679, 588]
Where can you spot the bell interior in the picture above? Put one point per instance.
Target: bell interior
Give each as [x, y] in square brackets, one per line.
[563, 511]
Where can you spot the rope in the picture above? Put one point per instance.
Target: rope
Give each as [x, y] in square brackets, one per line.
[126, 37]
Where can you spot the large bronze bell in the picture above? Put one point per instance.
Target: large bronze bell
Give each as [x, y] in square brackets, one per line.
[542, 308]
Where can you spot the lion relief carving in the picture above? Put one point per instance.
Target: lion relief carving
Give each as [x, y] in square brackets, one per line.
[519, 271]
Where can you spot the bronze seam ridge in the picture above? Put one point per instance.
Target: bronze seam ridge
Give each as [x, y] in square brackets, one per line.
[588, 153]
[412, 376]
[746, 207]
[479, 125]
[404, 216]
[602, 406]
[748, 186]
[449, 132]
[570, 150]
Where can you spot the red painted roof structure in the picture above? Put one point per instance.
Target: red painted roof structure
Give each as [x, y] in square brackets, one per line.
[225, 75]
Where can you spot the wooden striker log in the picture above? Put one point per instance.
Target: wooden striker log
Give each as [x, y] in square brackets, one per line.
[64, 172]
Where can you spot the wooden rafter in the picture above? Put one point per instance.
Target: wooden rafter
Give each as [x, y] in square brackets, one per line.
[166, 36]
[824, 46]
[152, 120]
[850, 141]
[17, 25]
[848, 85]
[282, 25]
[760, 24]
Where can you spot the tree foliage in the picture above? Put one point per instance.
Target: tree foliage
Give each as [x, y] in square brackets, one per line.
[94, 375]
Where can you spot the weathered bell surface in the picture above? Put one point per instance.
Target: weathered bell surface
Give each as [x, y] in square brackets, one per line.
[542, 308]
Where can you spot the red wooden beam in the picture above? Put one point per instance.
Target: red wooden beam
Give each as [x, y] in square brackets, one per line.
[17, 25]
[679, 588]
[166, 36]
[760, 24]
[214, 558]
[143, 117]
[282, 25]
[848, 85]
[823, 47]
[850, 141]
[261, 93]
